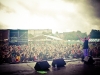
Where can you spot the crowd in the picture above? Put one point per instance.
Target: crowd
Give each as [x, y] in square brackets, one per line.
[43, 51]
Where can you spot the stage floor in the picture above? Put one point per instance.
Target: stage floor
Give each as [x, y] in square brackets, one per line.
[71, 68]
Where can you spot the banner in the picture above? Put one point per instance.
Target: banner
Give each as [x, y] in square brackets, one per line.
[18, 37]
[13, 37]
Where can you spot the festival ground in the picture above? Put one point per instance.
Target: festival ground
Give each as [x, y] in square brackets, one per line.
[73, 67]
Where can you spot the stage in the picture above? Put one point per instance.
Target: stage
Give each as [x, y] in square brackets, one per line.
[75, 67]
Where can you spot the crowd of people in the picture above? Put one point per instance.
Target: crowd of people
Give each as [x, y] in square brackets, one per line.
[44, 51]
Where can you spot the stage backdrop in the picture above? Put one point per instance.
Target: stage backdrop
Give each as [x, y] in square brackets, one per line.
[18, 37]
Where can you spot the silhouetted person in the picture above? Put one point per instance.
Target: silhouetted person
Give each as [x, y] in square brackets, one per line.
[85, 46]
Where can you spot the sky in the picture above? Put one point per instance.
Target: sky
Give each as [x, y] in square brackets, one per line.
[58, 15]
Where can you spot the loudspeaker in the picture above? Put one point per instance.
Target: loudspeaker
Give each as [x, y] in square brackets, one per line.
[42, 66]
[88, 60]
[58, 62]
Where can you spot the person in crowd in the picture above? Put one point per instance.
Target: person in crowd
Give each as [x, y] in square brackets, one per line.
[46, 51]
[18, 57]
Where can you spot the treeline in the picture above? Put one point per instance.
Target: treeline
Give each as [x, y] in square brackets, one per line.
[94, 34]
[73, 35]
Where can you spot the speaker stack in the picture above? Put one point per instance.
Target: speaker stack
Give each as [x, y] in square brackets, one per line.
[59, 63]
[42, 66]
[88, 60]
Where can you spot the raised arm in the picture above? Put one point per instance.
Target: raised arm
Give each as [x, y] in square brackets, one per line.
[88, 37]
[80, 38]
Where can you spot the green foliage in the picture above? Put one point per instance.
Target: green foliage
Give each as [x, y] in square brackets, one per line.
[46, 33]
[30, 36]
[73, 35]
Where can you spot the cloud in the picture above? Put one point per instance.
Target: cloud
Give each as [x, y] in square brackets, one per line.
[6, 8]
[89, 12]
[58, 15]
[27, 7]
[96, 7]
[3, 26]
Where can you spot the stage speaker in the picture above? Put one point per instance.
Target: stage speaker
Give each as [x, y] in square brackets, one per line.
[58, 62]
[42, 66]
[88, 60]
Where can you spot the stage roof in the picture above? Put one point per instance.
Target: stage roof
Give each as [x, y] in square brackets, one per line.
[47, 36]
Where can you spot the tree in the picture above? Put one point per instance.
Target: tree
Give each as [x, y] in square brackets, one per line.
[30, 36]
[73, 36]
[46, 33]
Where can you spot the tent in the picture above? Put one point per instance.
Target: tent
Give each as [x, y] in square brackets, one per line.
[46, 37]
